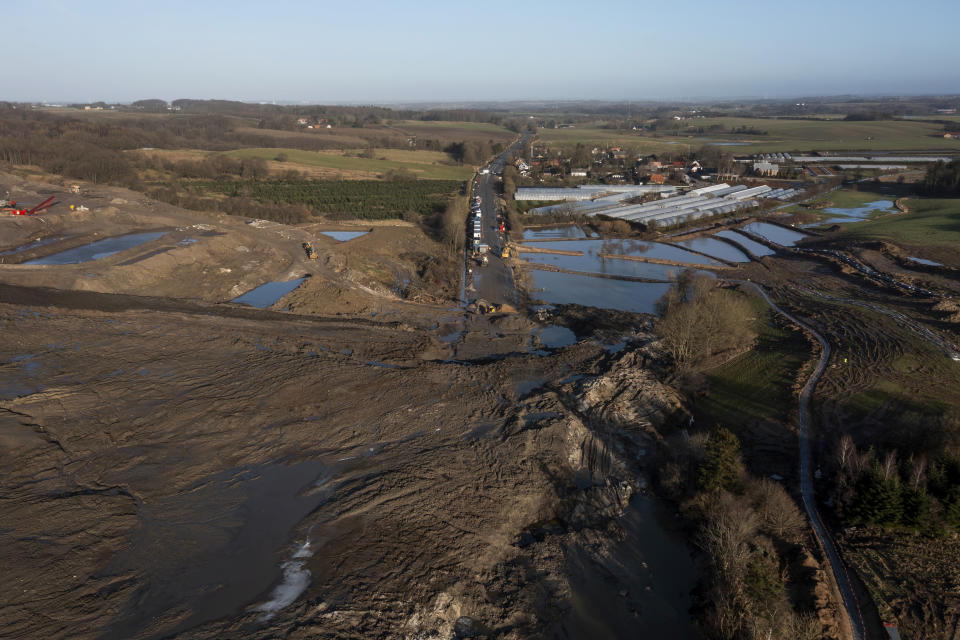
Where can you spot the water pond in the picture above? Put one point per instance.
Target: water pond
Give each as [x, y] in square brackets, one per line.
[268, 294]
[99, 249]
[929, 263]
[604, 293]
[344, 236]
[752, 246]
[715, 248]
[775, 234]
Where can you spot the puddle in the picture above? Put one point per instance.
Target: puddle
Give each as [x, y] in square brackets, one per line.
[616, 347]
[653, 559]
[750, 245]
[32, 245]
[99, 249]
[451, 337]
[484, 430]
[715, 248]
[555, 336]
[775, 234]
[526, 386]
[560, 232]
[604, 293]
[187, 242]
[268, 294]
[344, 236]
[533, 418]
[929, 263]
[212, 566]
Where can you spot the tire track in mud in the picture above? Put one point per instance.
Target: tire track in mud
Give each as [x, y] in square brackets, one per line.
[844, 584]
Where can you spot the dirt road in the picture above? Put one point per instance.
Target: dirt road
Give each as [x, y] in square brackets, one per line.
[848, 594]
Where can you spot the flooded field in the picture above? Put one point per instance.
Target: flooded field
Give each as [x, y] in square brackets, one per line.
[268, 294]
[842, 216]
[591, 263]
[752, 246]
[634, 248]
[775, 234]
[99, 249]
[715, 248]
[605, 293]
[344, 236]
[560, 232]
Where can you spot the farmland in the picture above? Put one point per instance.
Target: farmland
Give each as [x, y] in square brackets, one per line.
[429, 165]
[365, 199]
[781, 135]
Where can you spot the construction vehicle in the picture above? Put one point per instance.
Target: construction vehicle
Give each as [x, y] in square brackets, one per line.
[74, 188]
[308, 248]
[11, 206]
[505, 253]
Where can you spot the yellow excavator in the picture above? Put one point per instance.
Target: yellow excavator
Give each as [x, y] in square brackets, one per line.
[308, 248]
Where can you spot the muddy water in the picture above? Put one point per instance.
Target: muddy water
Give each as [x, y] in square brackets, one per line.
[268, 294]
[642, 589]
[219, 548]
[775, 234]
[752, 246]
[715, 248]
[99, 249]
[604, 293]
[555, 337]
[344, 236]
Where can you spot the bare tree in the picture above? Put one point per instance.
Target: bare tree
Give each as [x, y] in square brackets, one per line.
[779, 514]
[889, 465]
[730, 525]
[846, 452]
[918, 472]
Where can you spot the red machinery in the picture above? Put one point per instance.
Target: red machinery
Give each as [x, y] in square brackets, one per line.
[14, 211]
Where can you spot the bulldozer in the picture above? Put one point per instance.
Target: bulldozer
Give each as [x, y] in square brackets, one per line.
[505, 253]
[308, 249]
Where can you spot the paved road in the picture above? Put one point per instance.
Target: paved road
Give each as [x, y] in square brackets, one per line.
[493, 282]
[850, 602]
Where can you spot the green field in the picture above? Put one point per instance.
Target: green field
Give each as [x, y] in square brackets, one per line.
[757, 385]
[367, 199]
[932, 222]
[782, 135]
[429, 165]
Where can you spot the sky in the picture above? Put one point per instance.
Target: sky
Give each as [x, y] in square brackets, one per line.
[368, 51]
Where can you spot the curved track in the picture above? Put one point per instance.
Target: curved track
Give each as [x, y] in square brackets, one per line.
[847, 593]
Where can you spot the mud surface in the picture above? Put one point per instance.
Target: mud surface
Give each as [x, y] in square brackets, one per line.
[199, 470]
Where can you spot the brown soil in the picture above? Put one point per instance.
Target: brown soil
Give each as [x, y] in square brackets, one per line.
[193, 468]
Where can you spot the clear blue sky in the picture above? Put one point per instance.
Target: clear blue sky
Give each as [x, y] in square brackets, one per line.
[374, 51]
